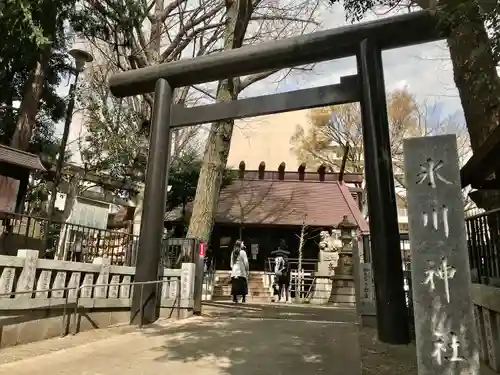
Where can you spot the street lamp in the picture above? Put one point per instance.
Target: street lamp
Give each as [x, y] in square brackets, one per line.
[80, 57]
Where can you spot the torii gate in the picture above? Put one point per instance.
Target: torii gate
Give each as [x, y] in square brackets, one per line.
[365, 41]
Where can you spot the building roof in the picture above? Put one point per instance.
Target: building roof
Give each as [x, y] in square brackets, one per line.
[285, 202]
[308, 176]
[20, 158]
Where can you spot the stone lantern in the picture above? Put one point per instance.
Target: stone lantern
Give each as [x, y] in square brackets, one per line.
[343, 292]
[347, 234]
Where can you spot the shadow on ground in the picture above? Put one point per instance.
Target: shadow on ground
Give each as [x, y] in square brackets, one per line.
[279, 311]
[236, 346]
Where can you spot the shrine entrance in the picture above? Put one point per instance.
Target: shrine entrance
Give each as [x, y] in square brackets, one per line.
[365, 41]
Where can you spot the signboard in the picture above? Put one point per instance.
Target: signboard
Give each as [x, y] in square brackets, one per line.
[8, 193]
[202, 249]
[89, 213]
[367, 288]
[254, 250]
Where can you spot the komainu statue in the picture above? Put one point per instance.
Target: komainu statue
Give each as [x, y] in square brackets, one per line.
[329, 242]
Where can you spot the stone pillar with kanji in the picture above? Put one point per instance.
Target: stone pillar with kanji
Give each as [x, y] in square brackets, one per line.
[343, 292]
[445, 332]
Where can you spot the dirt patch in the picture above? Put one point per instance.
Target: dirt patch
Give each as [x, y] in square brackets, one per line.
[379, 358]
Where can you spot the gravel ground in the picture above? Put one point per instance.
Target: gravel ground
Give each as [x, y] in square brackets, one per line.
[207, 346]
[379, 358]
[21, 352]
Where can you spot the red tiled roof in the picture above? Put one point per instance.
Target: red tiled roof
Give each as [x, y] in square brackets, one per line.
[286, 203]
[352, 202]
[23, 159]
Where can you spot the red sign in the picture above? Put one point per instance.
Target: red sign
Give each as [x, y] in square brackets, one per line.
[202, 249]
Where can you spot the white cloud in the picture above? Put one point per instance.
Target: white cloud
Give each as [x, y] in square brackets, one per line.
[425, 69]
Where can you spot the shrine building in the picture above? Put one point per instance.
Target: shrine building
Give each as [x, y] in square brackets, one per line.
[269, 207]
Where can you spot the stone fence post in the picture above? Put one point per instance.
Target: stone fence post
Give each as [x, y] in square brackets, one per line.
[26, 281]
[103, 278]
[187, 284]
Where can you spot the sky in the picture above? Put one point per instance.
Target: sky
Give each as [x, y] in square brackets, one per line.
[425, 70]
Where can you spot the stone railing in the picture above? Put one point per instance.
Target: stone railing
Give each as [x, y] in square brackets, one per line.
[26, 273]
[34, 290]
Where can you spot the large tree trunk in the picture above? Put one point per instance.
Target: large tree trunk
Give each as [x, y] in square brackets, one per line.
[478, 84]
[474, 69]
[214, 162]
[476, 78]
[238, 14]
[29, 105]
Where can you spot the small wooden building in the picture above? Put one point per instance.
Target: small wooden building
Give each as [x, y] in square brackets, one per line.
[15, 167]
[266, 208]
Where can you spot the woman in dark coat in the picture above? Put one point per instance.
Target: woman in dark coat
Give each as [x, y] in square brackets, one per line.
[282, 271]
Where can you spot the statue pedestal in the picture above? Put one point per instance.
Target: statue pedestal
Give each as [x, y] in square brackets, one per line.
[328, 262]
[322, 288]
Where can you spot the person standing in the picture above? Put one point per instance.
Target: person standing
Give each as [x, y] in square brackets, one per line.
[281, 270]
[282, 275]
[240, 270]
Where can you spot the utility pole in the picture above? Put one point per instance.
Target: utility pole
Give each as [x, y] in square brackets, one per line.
[62, 148]
[81, 57]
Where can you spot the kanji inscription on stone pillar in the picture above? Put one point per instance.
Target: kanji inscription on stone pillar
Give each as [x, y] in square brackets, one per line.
[444, 321]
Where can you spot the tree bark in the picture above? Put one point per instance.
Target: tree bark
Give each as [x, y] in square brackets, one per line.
[214, 162]
[476, 78]
[474, 69]
[206, 201]
[29, 105]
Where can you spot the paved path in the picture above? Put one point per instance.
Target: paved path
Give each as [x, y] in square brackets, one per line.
[226, 341]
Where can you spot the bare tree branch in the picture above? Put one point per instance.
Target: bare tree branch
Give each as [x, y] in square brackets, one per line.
[255, 78]
[333, 127]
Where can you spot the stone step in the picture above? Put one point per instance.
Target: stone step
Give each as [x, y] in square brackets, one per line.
[343, 304]
[249, 299]
[226, 291]
[219, 292]
[227, 279]
[251, 283]
[256, 288]
[258, 283]
[259, 295]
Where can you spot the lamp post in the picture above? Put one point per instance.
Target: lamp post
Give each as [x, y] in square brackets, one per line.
[81, 57]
